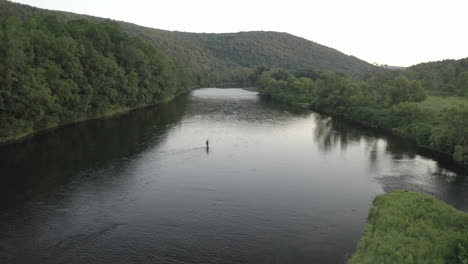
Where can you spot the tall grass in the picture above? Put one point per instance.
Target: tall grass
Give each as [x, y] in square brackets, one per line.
[407, 227]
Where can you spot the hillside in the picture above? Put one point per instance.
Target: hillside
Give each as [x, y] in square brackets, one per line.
[225, 57]
[276, 50]
[447, 77]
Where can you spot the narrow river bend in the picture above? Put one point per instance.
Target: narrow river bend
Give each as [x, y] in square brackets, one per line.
[276, 186]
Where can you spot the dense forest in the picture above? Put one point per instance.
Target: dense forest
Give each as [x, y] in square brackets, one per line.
[218, 58]
[52, 73]
[389, 99]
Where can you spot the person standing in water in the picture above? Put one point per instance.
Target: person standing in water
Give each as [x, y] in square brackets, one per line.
[207, 146]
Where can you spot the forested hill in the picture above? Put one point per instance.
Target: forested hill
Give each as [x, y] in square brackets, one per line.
[225, 57]
[447, 77]
[53, 73]
[277, 50]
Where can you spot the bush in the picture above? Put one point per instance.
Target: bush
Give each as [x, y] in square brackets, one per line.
[462, 249]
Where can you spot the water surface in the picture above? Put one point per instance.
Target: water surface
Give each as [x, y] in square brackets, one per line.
[276, 185]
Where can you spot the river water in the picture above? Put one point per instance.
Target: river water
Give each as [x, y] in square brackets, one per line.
[277, 185]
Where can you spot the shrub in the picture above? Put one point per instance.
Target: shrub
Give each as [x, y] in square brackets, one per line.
[462, 249]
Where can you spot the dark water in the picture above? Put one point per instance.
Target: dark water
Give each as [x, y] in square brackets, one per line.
[276, 186]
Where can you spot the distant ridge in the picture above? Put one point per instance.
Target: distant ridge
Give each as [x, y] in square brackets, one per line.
[226, 56]
[275, 49]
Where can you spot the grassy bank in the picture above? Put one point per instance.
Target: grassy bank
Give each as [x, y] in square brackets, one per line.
[439, 103]
[408, 227]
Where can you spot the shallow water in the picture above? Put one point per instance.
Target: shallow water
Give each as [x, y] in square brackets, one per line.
[276, 185]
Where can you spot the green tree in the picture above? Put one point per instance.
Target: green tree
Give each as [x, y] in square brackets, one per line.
[403, 90]
[462, 84]
[452, 132]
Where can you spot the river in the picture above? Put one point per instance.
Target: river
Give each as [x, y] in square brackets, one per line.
[277, 185]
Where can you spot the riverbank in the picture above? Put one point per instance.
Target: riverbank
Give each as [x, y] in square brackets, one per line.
[347, 114]
[408, 227]
[395, 103]
[113, 113]
[121, 111]
[25, 135]
[419, 130]
[65, 82]
[430, 123]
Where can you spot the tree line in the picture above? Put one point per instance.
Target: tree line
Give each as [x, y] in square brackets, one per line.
[447, 77]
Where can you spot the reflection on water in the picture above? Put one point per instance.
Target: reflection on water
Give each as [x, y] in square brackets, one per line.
[397, 163]
[46, 161]
[278, 185]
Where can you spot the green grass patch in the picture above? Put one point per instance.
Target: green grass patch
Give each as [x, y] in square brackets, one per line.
[408, 227]
[438, 103]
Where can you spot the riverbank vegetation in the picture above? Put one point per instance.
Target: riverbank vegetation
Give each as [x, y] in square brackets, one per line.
[407, 227]
[53, 73]
[392, 100]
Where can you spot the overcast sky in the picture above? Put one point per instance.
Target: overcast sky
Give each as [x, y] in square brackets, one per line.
[394, 32]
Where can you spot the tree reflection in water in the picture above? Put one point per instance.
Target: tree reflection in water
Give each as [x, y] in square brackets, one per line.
[395, 162]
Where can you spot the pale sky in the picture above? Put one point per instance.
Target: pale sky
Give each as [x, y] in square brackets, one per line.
[394, 32]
